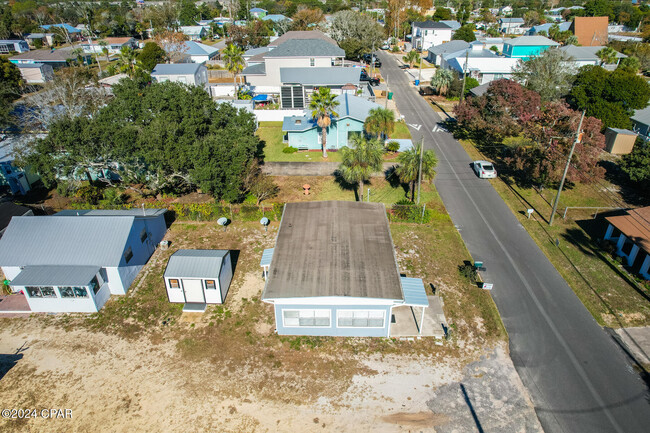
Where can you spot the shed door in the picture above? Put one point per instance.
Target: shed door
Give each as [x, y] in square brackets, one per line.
[193, 291]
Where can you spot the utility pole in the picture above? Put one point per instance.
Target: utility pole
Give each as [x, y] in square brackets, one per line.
[372, 60]
[386, 100]
[462, 92]
[420, 72]
[420, 169]
[566, 168]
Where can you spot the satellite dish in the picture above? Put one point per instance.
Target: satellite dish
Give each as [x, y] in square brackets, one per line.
[222, 222]
[265, 222]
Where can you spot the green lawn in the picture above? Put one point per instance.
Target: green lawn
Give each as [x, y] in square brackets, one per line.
[613, 297]
[401, 131]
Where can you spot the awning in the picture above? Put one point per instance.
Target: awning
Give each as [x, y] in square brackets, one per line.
[414, 293]
[55, 276]
[267, 255]
[260, 98]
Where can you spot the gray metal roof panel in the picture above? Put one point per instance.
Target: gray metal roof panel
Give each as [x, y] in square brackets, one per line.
[55, 276]
[328, 76]
[642, 116]
[431, 25]
[334, 248]
[267, 255]
[306, 48]
[298, 123]
[176, 69]
[414, 292]
[258, 69]
[449, 47]
[195, 264]
[136, 212]
[62, 240]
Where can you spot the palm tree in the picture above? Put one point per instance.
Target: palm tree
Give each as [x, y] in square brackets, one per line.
[128, 62]
[442, 80]
[234, 57]
[360, 161]
[606, 55]
[409, 165]
[380, 122]
[411, 57]
[322, 105]
[104, 46]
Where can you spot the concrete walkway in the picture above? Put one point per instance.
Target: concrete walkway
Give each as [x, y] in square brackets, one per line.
[637, 341]
[406, 320]
[309, 168]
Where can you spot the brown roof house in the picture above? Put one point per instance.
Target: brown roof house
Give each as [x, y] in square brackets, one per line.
[590, 31]
[631, 232]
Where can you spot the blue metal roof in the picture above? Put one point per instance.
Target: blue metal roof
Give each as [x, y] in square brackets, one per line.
[67, 27]
[267, 255]
[414, 293]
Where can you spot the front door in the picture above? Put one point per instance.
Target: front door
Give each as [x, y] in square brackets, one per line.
[193, 291]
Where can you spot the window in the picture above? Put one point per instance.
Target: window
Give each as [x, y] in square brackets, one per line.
[209, 285]
[41, 292]
[94, 284]
[128, 254]
[296, 318]
[360, 318]
[174, 284]
[73, 292]
[312, 62]
[143, 235]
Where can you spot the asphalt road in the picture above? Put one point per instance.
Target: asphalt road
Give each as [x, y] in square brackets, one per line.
[579, 380]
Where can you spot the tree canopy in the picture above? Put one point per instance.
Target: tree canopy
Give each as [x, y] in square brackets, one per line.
[151, 55]
[465, 33]
[167, 136]
[637, 166]
[10, 84]
[549, 74]
[353, 26]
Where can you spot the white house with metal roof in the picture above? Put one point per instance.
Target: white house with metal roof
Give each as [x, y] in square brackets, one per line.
[195, 33]
[195, 74]
[333, 272]
[583, 56]
[512, 26]
[435, 53]
[197, 52]
[480, 63]
[198, 277]
[73, 261]
[426, 34]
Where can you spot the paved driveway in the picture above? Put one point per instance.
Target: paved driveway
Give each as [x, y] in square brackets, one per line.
[578, 379]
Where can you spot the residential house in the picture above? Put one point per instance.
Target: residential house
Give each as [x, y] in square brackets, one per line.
[512, 26]
[556, 13]
[198, 277]
[299, 83]
[195, 74]
[16, 180]
[113, 45]
[47, 39]
[297, 35]
[194, 33]
[493, 42]
[641, 123]
[525, 47]
[543, 29]
[479, 62]
[583, 56]
[302, 132]
[333, 272]
[619, 141]
[73, 261]
[36, 73]
[631, 234]
[263, 71]
[453, 24]
[196, 52]
[107, 83]
[258, 12]
[8, 46]
[56, 58]
[9, 210]
[590, 31]
[436, 53]
[73, 33]
[276, 18]
[426, 34]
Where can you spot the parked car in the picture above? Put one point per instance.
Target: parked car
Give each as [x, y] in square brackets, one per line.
[485, 169]
[385, 47]
[370, 58]
[365, 77]
[405, 66]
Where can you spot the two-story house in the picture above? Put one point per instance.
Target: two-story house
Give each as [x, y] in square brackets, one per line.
[512, 26]
[426, 34]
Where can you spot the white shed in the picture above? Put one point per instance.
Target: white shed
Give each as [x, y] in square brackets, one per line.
[198, 277]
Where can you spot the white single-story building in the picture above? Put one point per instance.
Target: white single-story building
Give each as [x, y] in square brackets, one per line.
[198, 277]
[73, 261]
[8, 46]
[187, 73]
[631, 234]
[113, 45]
[195, 33]
[333, 271]
[36, 73]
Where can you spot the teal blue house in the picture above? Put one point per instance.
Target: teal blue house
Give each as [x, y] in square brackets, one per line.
[303, 133]
[525, 47]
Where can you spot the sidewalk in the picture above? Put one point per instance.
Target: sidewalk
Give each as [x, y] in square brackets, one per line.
[309, 168]
[637, 341]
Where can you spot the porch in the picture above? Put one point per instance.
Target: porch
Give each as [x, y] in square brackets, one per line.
[408, 321]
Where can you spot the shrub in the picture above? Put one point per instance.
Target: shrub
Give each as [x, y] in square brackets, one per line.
[468, 272]
[392, 146]
[407, 211]
[90, 194]
[289, 149]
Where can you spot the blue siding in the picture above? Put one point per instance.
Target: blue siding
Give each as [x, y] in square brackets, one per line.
[524, 51]
[337, 135]
[332, 330]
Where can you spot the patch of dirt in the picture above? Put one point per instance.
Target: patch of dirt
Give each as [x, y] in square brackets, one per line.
[420, 419]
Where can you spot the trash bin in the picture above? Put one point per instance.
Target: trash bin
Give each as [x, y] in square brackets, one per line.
[417, 82]
[390, 96]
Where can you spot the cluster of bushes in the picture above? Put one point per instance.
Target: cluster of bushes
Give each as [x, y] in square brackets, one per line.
[409, 212]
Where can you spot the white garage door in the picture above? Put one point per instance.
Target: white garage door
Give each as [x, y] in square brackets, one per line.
[193, 291]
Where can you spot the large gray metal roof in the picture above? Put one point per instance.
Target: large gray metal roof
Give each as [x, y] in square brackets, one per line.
[331, 76]
[55, 276]
[585, 53]
[431, 25]
[334, 248]
[195, 264]
[642, 116]
[449, 47]
[306, 48]
[256, 69]
[136, 212]
[64, 240]
[301, 35]
[176, 69]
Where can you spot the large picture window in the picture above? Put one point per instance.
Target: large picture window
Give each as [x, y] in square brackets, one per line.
[41, 292]
[73, 292]
[360, 318]
[296, 318]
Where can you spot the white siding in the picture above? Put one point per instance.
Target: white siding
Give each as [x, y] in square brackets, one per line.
[212, 296]
[115, 281]
[175, 295]
[10, 272]
[61, 305]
